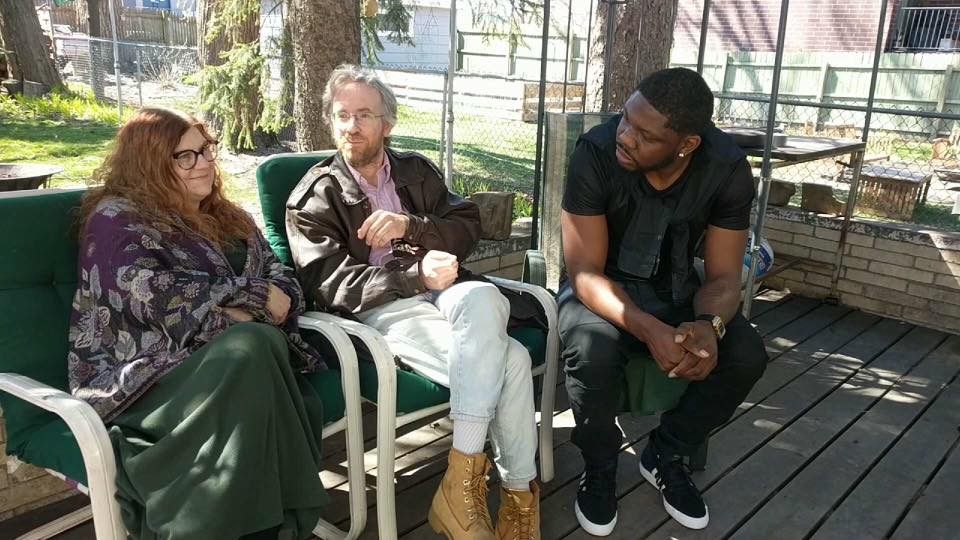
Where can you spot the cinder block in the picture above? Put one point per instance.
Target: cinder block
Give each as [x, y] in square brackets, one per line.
[792, 250]
[917, 250]
[909, 274]
[827, 234]
[871, 278]
[925, 317]
[884, 294]
[873, 254]
[938, 267]
[776, 235]
[940, 294]
[861, 240]
[947, 281]
[851, 287]
[850, 261]
[870, 305]
[815, 243]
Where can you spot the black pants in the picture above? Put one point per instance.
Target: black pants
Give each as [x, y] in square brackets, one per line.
[595, 352]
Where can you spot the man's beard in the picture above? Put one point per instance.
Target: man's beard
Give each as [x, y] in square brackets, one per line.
[358, 158]
[669, 160]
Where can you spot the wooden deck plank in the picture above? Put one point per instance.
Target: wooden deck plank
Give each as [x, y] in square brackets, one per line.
[737, 494]
[759, 424]
[784, 313]
[934, 514]
[871, 509]
[558, 520]
[567, 458]
[798, 507]
[766, 301]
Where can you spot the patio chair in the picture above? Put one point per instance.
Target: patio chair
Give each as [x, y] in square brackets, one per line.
[403, 397]
[51, 429]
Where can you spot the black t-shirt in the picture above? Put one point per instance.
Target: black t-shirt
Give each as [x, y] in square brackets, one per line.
[598, 185]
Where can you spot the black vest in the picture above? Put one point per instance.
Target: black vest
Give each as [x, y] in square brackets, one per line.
[680, 216]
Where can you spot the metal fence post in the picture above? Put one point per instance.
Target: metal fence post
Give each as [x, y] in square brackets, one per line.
[855, 181]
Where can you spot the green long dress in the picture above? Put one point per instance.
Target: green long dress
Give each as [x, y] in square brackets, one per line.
[226, 444]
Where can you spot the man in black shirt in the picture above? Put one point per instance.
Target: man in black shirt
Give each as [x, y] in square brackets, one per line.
[645, 192]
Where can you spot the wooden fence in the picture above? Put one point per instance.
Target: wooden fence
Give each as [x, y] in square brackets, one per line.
[905, 81]
[139, 25]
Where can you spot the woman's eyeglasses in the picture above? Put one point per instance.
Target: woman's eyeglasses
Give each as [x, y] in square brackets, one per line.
[187, 159]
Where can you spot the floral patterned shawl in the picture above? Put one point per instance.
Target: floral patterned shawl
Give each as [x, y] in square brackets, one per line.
[148, 296]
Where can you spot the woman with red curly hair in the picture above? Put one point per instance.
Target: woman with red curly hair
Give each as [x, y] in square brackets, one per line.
[184, 339]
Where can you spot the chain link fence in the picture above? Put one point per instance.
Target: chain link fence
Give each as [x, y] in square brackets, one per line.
[910, 173]
[142, 74]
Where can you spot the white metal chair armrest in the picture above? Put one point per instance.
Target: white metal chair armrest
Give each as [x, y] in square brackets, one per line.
[549, 369]
[91, 434]
[353, 425]
[386, 409]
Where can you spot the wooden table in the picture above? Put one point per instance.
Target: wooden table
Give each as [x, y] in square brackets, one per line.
[800, 149]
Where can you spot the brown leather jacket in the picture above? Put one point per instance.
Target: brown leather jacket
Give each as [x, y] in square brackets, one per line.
[326, 209]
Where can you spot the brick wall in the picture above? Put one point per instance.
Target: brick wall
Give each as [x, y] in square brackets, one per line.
[814, 25]
[896, 271]
[502, 258]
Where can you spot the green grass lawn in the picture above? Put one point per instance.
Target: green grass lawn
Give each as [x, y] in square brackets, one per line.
[71, 131]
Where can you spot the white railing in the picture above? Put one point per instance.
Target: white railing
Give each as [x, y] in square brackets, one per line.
[928, 29]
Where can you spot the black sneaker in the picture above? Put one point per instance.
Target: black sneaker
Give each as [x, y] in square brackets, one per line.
[681, 498]
[596, 505]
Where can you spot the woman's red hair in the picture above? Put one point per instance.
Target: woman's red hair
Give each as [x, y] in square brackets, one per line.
[140, 169]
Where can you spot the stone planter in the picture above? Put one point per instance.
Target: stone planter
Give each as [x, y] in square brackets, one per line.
[496, 213]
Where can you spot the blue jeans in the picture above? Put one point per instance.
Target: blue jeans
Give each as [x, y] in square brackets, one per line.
[458, 338]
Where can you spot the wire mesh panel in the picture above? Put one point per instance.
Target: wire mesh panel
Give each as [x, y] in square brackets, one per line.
[149, 75]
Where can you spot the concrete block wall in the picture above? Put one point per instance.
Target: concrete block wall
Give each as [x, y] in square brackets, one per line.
[895, 270]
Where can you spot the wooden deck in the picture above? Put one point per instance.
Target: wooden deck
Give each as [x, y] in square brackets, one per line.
[851, 433]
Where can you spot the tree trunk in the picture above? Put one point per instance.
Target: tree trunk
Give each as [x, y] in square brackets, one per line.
[96, 13]
[326, 34]
[24, 41]
[643, 35]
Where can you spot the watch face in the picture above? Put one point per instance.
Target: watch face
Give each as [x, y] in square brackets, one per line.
[719, 327]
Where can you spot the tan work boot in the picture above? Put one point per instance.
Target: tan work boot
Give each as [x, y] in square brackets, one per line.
[519, 516]
[459, 508]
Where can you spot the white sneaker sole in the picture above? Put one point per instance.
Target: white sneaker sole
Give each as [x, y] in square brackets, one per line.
[591, 527]
[683, 519]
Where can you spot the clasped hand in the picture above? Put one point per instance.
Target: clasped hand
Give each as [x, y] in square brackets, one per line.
[688, 351]
[278, 306]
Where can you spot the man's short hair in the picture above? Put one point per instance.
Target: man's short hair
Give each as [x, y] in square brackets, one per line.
[346, 74]
[682, 96]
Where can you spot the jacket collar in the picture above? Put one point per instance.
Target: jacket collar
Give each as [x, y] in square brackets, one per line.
[350, 190]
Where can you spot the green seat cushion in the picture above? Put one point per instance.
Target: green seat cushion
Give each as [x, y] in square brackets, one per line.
[38, 275]
[327, 385]
[52, 446]
[647, 389]
[276, 178]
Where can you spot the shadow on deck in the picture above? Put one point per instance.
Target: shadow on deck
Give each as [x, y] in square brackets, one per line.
[851, 433]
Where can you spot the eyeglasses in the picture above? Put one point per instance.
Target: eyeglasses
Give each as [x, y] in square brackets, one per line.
[362, 118]
[187, 159]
